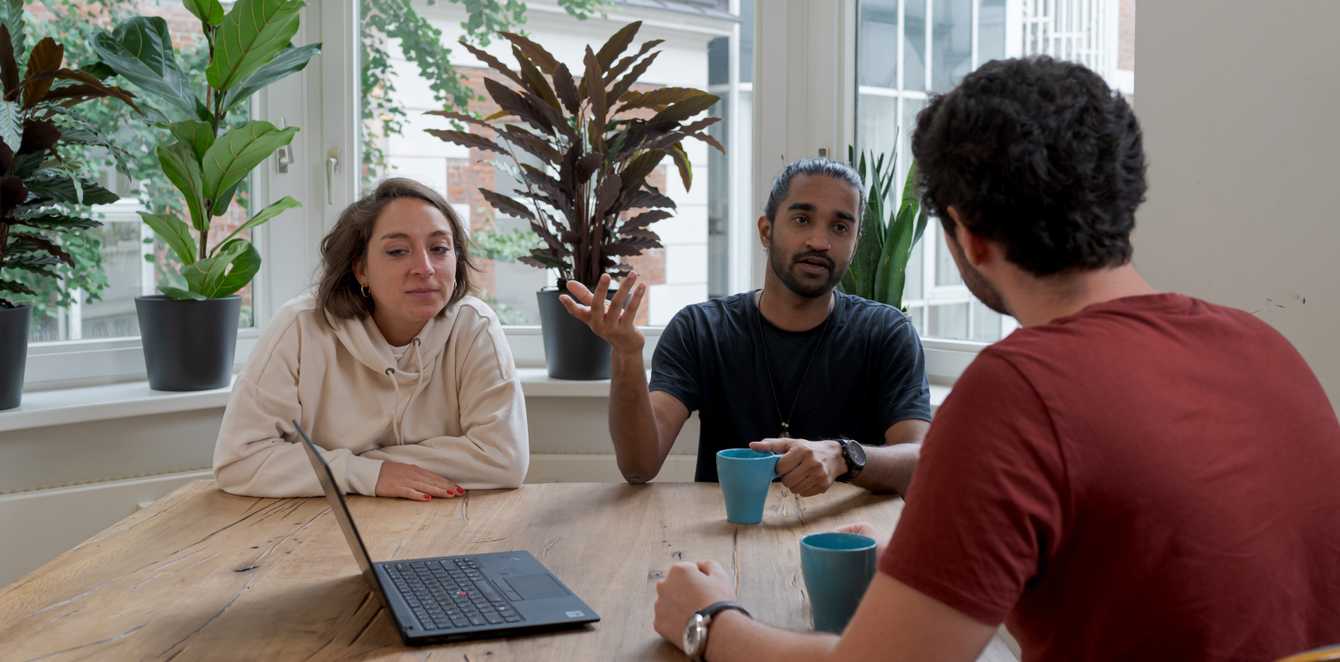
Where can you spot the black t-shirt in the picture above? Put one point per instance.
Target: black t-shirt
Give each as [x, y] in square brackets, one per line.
[868, 372]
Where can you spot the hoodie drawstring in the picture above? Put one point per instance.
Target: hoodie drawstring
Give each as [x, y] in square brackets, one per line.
[397, 417]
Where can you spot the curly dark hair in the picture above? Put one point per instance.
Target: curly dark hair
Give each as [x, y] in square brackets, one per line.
[1040, 156]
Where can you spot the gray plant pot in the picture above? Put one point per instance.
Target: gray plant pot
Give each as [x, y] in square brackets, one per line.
[13, 353]
[188, 345]
[571, 350]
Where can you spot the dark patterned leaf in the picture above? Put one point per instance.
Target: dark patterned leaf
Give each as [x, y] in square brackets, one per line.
[645, 219]
[550, 187]
[54, 186]
[33, 263]
[466, 139]
[96, 83]
[43, 62]
[567, 89]
[56, 222]
[23, 242]
[631, 77]
[682, 164]
[617, 43]
[459, 117]
[648, 198]
[593, 84]
[535, 82]
[707, 138]
[541, 260]
[622, 66]
[507, 205]
[660, 97]
[682, 110]
[9, 66]
[532, 144]
[493, 62]
[17, 287]
[641, 166]
[631, 246]
[587, 165]
[38, 137]
[532, 51]
[515, 104]
[607, 195]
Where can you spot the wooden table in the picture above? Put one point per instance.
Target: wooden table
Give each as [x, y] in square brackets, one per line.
[203, 574]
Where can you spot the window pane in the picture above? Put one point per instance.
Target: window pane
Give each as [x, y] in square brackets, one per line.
[746, 57]
[946, 271]
[122, 259]
[951, 42]
[877, 124]
[949, 321]
[408, 71]
[915, 287]
[985, 323]
[878, 61]
[991, 31]
[914, 45]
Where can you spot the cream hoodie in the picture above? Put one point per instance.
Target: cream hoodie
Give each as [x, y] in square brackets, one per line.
[451, 404]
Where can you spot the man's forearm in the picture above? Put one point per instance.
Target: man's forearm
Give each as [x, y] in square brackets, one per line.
[889, 468]
[632, 421]
[735, 637]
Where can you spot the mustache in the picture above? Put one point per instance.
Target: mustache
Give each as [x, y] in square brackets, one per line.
[814, 255]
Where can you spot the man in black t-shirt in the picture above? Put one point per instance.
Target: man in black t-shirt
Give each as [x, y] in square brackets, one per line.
[834, 382]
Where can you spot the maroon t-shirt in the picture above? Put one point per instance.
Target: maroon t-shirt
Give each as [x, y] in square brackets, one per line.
[1152, 478]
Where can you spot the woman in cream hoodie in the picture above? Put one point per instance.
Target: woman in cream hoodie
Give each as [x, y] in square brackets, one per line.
[404, 380]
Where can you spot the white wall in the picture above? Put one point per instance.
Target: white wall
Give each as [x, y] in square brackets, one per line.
[1239, 103]
[60, 485]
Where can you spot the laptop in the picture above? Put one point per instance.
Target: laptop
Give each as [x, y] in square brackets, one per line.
[450, 598]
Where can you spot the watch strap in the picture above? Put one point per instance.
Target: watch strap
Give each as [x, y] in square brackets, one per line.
[711, 610]
[852, 469]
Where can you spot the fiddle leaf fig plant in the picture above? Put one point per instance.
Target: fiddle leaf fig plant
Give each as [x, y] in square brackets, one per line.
[211, 149]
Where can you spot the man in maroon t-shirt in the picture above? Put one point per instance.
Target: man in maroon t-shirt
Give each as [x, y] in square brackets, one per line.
[1130, 476]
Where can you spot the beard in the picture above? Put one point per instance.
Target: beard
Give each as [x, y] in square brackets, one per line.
[785, 269]
[976, 282]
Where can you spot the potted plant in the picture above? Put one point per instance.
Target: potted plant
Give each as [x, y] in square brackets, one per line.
[581, 150]
[189, 333]
[41, 196]
[878, 271]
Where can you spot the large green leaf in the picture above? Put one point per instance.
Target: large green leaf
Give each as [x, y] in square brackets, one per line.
[179, 294]
[181, 168]
[223, 201]
[288, 61]
[210, 12]
[241, 270]
[235, 153]
[252, 33]
[140, 50]
[264, 216]
[904, 231]
[199, 135]
[232, 265]
[173, 232]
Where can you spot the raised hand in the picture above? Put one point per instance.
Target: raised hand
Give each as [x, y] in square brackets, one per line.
[612, 320]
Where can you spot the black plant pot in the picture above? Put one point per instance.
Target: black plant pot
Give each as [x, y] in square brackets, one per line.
[571, 350]
[13, 353]
[188, 345]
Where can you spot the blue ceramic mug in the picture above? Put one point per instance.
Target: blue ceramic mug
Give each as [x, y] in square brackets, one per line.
[745, 475]
[838, 568]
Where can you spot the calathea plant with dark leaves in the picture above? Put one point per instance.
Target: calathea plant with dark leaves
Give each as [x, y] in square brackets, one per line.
[42, 197]
[583, 148]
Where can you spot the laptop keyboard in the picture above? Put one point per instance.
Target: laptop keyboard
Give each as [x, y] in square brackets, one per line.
[449, 594]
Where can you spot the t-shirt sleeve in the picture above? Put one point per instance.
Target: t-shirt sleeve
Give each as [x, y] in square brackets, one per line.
[675, 365]
[986, 505]
[905, 393]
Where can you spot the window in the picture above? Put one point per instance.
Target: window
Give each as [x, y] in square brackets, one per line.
[122, 259]
[908, 50]
[706, 46]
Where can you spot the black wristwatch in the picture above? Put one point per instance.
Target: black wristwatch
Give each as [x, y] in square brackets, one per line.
[853, 453]
[695, 632]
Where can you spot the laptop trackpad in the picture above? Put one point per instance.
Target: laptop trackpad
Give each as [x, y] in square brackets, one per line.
[535, 587]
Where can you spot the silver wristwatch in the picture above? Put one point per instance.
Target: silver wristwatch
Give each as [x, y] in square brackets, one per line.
[695, 631]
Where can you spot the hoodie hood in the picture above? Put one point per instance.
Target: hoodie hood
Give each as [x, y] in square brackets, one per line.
[365, 342]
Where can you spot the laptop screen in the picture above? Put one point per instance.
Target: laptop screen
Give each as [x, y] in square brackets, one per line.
[338, 506]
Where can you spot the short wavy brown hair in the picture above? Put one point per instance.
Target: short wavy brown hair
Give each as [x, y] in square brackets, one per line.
[338, 291]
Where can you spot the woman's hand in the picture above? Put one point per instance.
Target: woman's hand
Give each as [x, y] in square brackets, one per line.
[407, 481]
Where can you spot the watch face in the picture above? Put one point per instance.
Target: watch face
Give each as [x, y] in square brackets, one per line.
[857, 452]
[695, 633]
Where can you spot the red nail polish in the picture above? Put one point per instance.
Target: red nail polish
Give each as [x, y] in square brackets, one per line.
[427, 497]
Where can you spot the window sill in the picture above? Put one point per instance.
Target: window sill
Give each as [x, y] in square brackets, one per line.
[131, 399]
